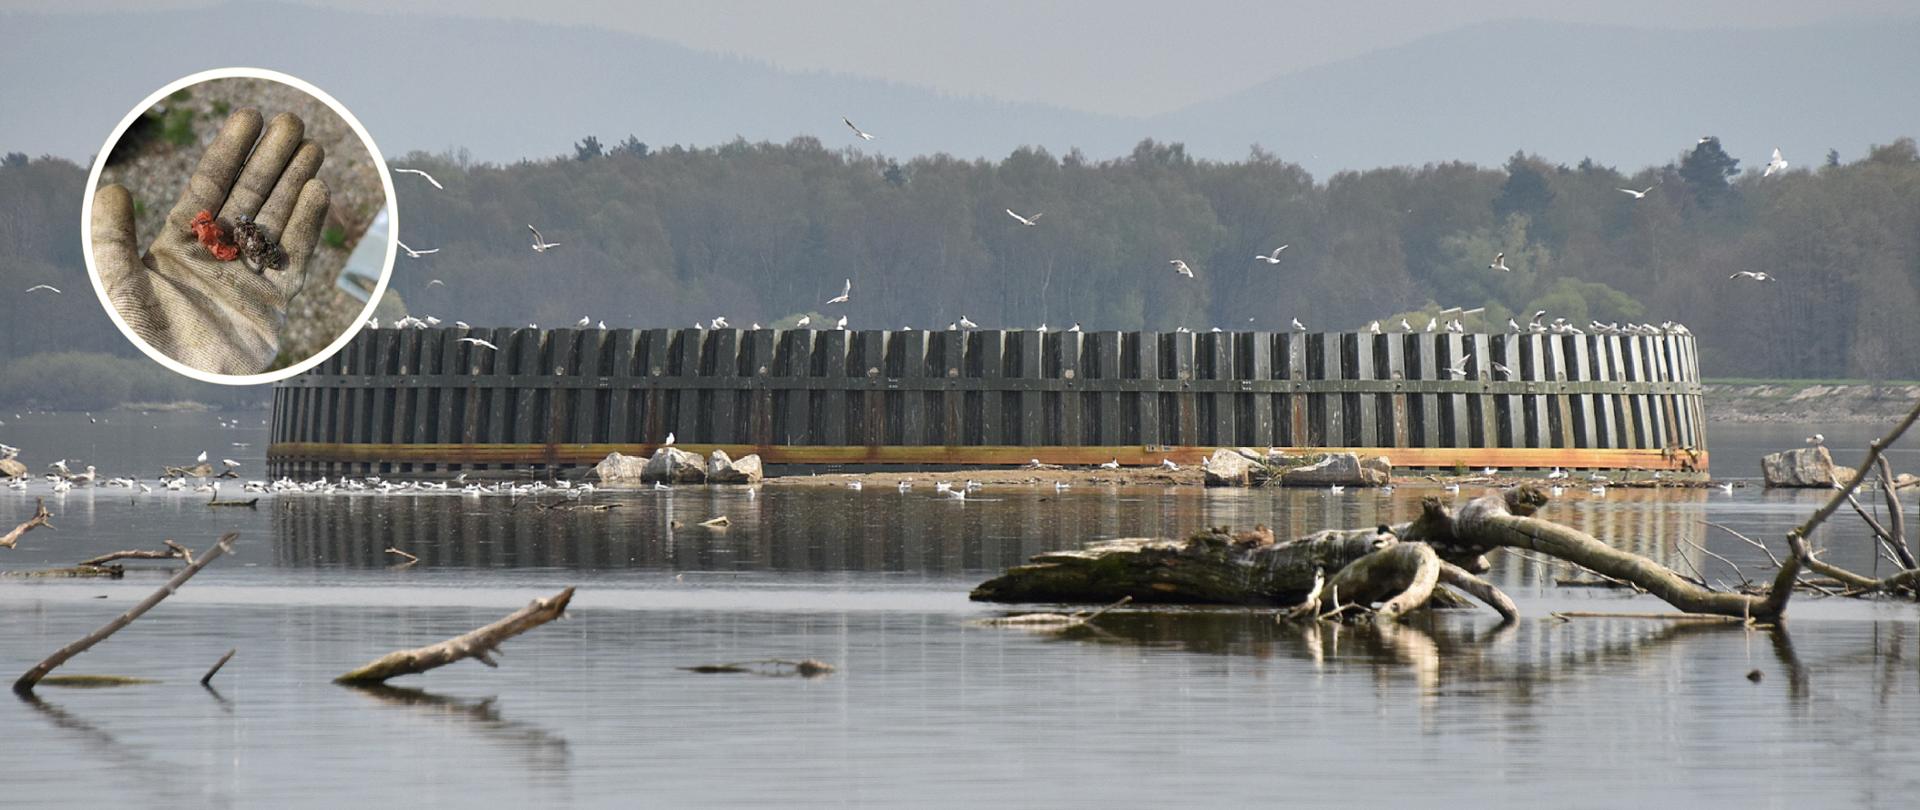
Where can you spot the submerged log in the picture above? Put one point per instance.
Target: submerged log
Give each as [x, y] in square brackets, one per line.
[24, 685]
[480, 644]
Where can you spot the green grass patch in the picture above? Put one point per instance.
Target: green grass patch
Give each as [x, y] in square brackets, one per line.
[334, 236]
[220, 108]
[177, 126]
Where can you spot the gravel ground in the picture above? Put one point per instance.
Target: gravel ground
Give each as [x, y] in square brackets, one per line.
[159, 170]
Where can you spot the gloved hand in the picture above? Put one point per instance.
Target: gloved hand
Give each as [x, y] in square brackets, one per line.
[218, 316]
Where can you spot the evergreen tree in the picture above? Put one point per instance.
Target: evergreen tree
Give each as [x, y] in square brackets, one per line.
[1707, 170]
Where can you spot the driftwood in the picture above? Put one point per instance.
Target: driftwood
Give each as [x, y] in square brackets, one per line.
[807, 668]
[26, 682]
[250, 503]
[1051, 621]
[40, 516]
[407, 560]
[174, 551]
[206, 680]
[480, 644]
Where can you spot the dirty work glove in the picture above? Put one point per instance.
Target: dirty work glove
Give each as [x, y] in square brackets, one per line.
[218, 316]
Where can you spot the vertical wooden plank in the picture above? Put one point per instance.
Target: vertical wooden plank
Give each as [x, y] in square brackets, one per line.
[1066, 363]
[953, 418]
[721, 364]
[1580, 370]
[1255, 355]
[1027, 345]
[1559, 358]
[1613, 405]
[1513, 411]
[866, 364]
[1483, 407]
[1186, 420]
[988, 361]
[1691, 435]
[1363, 369]
[622, 388]
[1109, 426]
[1144, 353]
[656, 361]
[1459, 420]
[1425, 351]
[556, 372]
[910, 357]
[1333, 421]
[1295, 346]
[1219, 364]
[688, 348]
[792, 400]
[1397, 410]
[1640, 437]
[589, 365]
[529, 395]
[760, 364]
[830, 360]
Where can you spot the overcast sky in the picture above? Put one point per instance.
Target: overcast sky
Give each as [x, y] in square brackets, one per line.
[1128, 57]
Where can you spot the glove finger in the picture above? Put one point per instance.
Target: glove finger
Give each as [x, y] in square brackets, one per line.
[219, 165]
[116, 249]
[263, 167]
[279, 207]
[302, 234]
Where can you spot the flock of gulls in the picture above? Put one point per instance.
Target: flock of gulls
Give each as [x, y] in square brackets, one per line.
[1180, 267]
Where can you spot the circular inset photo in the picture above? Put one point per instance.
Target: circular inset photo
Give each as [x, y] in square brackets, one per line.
[239, 226]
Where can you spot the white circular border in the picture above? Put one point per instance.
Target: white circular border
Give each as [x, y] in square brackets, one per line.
[373, 151]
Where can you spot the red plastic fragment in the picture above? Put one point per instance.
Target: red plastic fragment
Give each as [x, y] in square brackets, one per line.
[214, 237]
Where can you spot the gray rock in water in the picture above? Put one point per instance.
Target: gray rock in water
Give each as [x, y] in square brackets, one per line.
[1805, 467]
[724, 470]
[617, 469]
[1228, 467]
[1344, 469]
[674, 466]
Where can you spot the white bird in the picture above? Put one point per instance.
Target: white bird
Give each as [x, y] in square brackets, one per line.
[1490, 471]
[50, 287]
[1180, 266]
[1727, 487]
[855, 485]
[478, 343]
[461, 325]
[1336, 489]
[856, 130]
[1110, 465]
[429, 322]
[842, 323]
[540, 243]
[583, 323]
[1760, 276]
[1638, 194]
[669, 441]
[415, 254]
[720, 323]
[804, 320]
[203, 457]
[1027, 221]
[1061, 486]
[230, 463]
[1373, 328]
[1556, 474]
[845, 292]
[436, 282]
[1502, 369]
[1459, 367]
[1274, 257]
[1433, 323]
[1075, 327]
[1404, 326]
[1817, 439]
[1169, 464]
[966, 324]
[1777, 164]
[436, 183]
[1500, 262]
[1298, 326]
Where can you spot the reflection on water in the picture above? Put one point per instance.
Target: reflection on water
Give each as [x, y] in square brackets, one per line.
[1223, 706]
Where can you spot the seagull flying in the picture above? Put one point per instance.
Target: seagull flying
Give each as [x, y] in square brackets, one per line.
[415, 254]
[1761, 276]
[1274, 257]
[1500, 262]
[436, 183]
[1180, 266]
[1027, 221]
[1504, 371]
[844, 293]
[540, 243]
[856, 130]
[1777, 164]
[1459, 367]
[1637, 194]
[431, 282]
[50, 287]
[477, 342]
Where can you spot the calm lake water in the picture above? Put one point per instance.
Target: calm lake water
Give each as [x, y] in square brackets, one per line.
[1216, 707]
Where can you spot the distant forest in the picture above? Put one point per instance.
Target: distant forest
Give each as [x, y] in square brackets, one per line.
[761, 232]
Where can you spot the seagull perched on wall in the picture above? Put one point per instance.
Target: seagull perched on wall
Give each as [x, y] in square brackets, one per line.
[1298, 326]
[966, 324]
[804, 320]
[1274, 257]
[1404, 326]
[415, 254]
[1180, 266]
[865, 136]
[1761, 276]
[583, 323]
[477, 343]
[1027, 221]
[540, 243]
[1500, 263]
[1638, 195]
[429, 177]
[1777, 164]
[842, 324]
[845, 293]
[1373, 328]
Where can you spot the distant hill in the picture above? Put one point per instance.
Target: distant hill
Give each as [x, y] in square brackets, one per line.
[508, 90]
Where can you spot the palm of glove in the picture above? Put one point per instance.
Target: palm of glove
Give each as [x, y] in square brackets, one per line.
[219, 308]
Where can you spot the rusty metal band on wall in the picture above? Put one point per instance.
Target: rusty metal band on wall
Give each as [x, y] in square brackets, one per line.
[419, 400]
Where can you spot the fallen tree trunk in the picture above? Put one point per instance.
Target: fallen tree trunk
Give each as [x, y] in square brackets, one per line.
[40, 517]
[479, 644]
[26, 682]
[174, 551]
